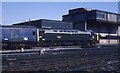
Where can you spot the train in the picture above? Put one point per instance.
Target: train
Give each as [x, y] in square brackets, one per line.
[28, 37]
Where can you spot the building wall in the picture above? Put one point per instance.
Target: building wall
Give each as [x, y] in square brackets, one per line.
[79, 26]
[56, 24]
[48, 24]
[107, 16]
[96, 20]
[119, 30]
[68, 18]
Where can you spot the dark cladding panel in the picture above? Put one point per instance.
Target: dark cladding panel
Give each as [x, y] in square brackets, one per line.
[77, 11]
[103, 29]
[113, 29]
[51, 24]
[91, 15]
[48, 24]
[36, 23]
[67, 18]
[91, 26]
[79, 26]
[80, 18]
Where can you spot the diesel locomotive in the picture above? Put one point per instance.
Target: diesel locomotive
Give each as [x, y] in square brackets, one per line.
[28, 37]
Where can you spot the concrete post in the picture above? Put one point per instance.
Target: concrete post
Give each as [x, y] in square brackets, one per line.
[85, 25]
[118, 33]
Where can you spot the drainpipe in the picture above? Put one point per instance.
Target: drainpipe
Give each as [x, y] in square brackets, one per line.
[85, 25]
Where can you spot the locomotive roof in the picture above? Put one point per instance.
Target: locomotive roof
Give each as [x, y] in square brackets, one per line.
[67, 31]
[18, 27]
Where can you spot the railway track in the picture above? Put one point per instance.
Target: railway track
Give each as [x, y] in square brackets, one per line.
[62, 60]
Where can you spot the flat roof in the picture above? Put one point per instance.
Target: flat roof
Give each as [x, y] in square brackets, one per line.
[18, 26]
[90, 10]
[41, 20]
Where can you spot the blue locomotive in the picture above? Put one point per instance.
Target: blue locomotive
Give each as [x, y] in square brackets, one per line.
[27, 37]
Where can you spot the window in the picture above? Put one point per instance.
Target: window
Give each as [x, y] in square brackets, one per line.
[33, 33]
[118, 18]
[76, 31]
[65, 31]
[55, 30]
[61, 31]
[112, 17]
[68, 31]
[72, 31]
[101, 15]
[41, 32]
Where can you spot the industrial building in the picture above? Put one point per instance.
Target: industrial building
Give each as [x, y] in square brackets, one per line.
[104, 24]
[47, 24]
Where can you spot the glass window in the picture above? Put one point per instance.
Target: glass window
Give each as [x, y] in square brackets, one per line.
[101, 15]
[55, 30]
[76, 31]
[61, 31]
[112, 17]
[65, 31]
[118, 18]
[33, 33]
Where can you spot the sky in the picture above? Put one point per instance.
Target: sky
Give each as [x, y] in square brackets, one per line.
[16, 12]
[60, 0]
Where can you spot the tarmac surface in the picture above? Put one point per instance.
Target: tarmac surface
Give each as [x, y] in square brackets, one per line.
[62, 60]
